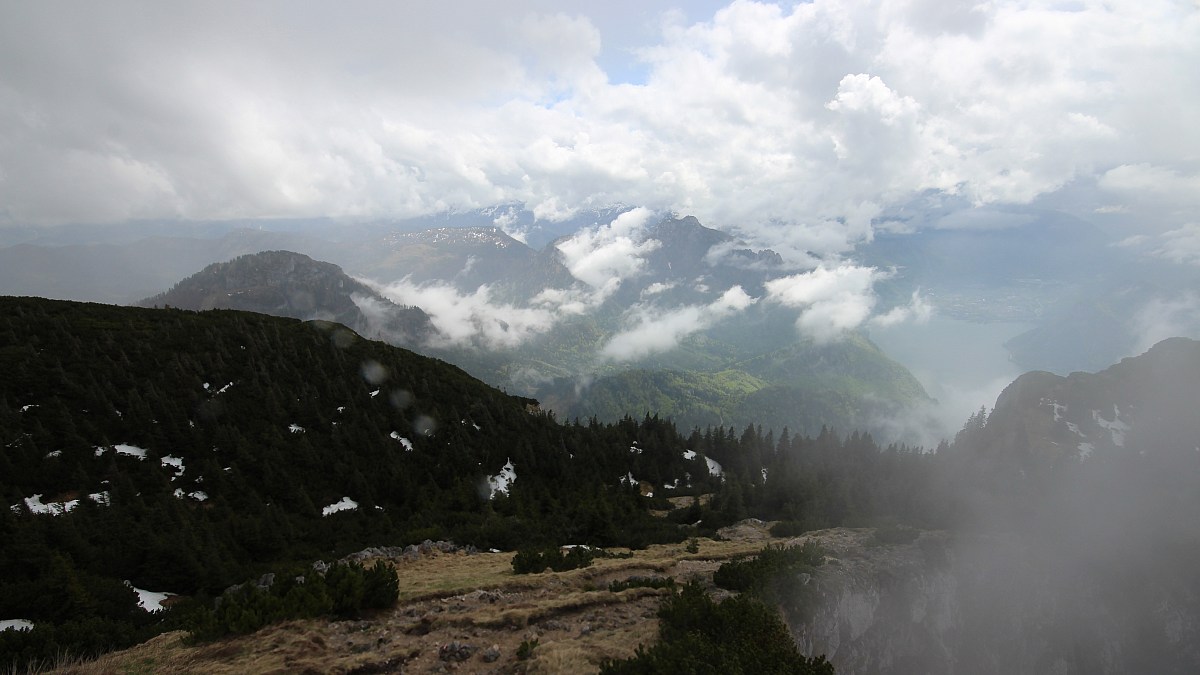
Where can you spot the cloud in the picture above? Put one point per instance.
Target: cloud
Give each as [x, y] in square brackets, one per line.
[831, 300]
[605, 255]
[655, 330]
[1162, 318]
[470, 318]
[918, 310]
[1182, 245]
[796, 123]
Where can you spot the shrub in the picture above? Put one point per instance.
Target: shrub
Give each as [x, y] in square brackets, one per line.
[641, 582]
[535, 561]
[788, 528]
[344, 590]
[773, 562]
[525, 650]
[698, 635]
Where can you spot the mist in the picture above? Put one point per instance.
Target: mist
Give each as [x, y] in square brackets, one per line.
[1067, 538]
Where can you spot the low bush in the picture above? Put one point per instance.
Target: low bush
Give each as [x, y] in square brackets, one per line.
[738, 636]
[343, 590]
[536, 561]
[641, 582]
[772, 563]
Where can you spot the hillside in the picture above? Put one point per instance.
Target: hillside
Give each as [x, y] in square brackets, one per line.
[472, 601]
[187, 451]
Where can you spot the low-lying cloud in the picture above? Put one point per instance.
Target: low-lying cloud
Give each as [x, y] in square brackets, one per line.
[656, 330]
[831, 300]
[470, 318]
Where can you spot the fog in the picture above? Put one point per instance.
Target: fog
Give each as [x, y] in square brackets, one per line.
[962, 365]
[1056, 560]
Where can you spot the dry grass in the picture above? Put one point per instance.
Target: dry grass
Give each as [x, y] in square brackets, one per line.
[472, 599]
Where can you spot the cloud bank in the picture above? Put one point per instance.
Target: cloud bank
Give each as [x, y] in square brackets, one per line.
[798, 124]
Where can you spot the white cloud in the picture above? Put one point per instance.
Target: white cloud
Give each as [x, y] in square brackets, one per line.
[656, 330]
[798, 123]
[918, 310]
[1162, 318]
[471, 318]
[1182, 245]
[832, 300]
[603, 256]
[1155, 182]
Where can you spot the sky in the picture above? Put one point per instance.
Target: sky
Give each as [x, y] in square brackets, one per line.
[801, 123]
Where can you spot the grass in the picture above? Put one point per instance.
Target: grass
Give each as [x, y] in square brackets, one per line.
[439, 602]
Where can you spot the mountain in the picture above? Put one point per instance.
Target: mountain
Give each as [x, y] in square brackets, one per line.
[1072, 511]
[756, 369]
[1141, 405]
[467, 258]
[282, 283]
[803, 387]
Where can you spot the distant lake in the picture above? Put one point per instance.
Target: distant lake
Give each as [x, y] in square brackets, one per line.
[962, 364]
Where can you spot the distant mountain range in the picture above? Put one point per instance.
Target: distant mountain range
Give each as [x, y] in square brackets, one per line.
[1089, 303]
[752, 371]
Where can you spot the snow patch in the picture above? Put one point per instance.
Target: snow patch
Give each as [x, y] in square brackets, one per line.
[1116, 428]
[1085, 449]
[764, 474]
[224, 389]
[295, 428]
[151, 601]
[36, 505]
[1059, 408]
[408, 446]
[346, 504]
[634, 449]
[124, 449]
[176, 462]
[501, 481]
[198, 495]
[374, 393]
[689, 454]
[714, 469]
[54, 453]
[25, 408]
[15, 624]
